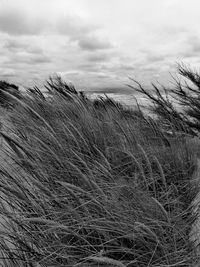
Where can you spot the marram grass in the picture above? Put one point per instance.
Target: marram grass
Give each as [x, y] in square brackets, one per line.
[92, 184]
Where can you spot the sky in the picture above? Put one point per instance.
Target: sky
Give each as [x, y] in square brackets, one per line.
[97, 44]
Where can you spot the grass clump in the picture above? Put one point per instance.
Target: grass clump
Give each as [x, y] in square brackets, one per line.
[177, 107]
[92, 184]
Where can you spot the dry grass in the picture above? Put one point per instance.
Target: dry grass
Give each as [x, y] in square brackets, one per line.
[93, 185]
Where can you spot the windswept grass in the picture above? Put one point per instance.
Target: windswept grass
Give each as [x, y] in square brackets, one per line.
[93, 184]
[176, 107]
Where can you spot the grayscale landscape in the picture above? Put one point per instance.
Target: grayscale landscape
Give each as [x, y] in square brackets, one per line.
[99, 133]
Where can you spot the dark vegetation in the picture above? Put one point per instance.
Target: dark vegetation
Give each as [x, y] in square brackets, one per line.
[185, 93]
[93, 183]
[10, 88]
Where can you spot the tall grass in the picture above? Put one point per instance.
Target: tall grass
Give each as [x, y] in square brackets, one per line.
[176, 107]
[91, 184]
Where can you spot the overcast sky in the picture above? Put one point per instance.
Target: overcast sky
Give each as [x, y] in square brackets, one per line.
[97, 43]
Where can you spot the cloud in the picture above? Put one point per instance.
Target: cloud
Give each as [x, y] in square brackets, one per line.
[19, 51]
[191, 47]
[92, 43]
[26, 58]
[39, 59]
[154, 58]
[149, 68]
[7, 73]
[194, 44]
[16, 22]
[69, 73]
[22, 19]
[103, 75]
[98, 57]
[19, 54]
[16, 46]
[84, 35]
[172, 31]
[72, 26]
[118, 68]
[92, 36]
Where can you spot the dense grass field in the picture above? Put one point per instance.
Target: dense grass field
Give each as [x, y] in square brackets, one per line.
[93, 183]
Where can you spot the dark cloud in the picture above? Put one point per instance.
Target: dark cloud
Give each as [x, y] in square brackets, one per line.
[98, 57]
[152, 56]
[89, 67]
[149, 68]
[194, 43]
[117, 68]
[39, 59]
[93, 43]
[27, 59]
[13, 45]
[127, 67]
[192, 47]
[188, 54]
[21, 51]
[155, 57]
[83, 34]
[7, 73]
[16, 22]
[35, 50]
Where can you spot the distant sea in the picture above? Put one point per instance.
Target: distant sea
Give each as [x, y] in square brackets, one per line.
[126, 99]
